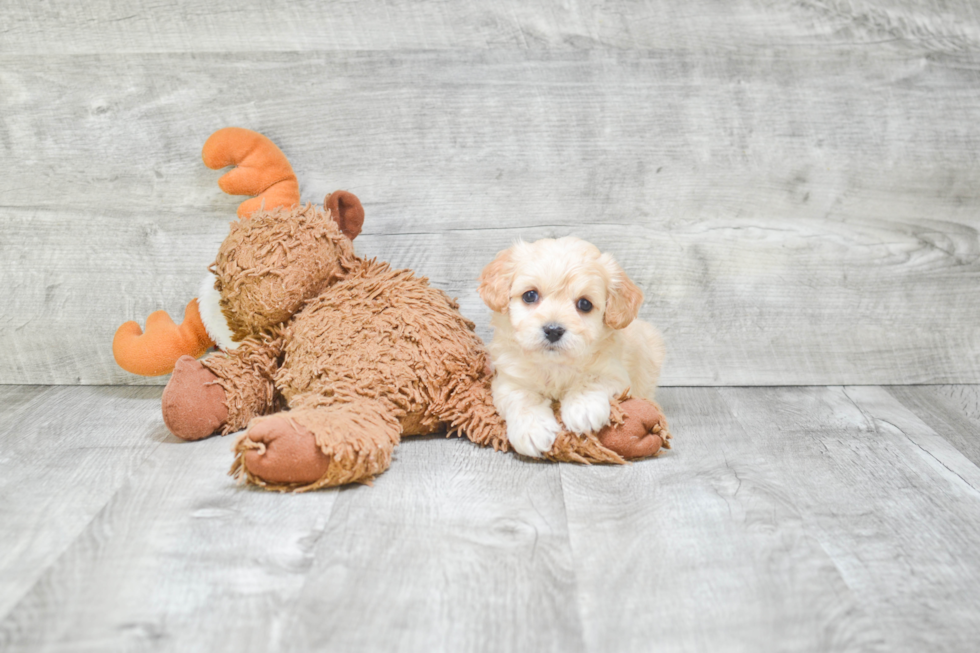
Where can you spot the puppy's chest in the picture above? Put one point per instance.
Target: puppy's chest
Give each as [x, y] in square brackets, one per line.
[556, 381]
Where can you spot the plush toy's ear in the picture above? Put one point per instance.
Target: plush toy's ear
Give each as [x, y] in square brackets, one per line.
[347, 212]
[495, 281]
[625, 297]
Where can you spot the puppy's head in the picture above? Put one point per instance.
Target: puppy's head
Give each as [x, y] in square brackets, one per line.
[562, 297]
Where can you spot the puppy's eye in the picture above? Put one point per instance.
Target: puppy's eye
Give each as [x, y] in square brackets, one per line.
[583, 305]
[530, 296]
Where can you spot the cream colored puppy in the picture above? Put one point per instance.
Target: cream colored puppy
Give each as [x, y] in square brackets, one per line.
[564, 330]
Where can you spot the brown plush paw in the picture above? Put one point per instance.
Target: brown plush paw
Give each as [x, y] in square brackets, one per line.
[193, 403]
[641, 435]
[281, 451]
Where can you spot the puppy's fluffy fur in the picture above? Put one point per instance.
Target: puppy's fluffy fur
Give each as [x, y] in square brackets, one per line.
[597, 355]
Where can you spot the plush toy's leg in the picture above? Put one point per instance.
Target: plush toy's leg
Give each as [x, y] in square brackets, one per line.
[642, 433]
[638, 430]
[222, 393]
[309, 448]
[469, 410]
[247, 375]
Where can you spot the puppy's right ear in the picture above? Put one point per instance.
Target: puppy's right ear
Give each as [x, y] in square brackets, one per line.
[495, 282]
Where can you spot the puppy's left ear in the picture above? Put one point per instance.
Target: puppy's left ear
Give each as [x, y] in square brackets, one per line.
[625, 297]
[495, 282]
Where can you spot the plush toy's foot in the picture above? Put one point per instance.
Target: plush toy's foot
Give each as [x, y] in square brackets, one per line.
[638, 430]
[642, 433]
[309, 448]
[280, 451]
[193, 402]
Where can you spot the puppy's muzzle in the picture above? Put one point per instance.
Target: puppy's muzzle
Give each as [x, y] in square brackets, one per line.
[553, 332]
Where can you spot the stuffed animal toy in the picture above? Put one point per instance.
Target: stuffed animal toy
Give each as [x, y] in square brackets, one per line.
[328, 359]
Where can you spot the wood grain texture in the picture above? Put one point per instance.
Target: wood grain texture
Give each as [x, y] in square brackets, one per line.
[708, 547]
[224, 25]
[179, 559]
[894, 505]
[785, 519]
[951, 411]
[63, 453]
[796, 215]
[455, 548]
[964, 397]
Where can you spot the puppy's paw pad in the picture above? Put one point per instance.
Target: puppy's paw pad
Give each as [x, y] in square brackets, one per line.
[585, 413]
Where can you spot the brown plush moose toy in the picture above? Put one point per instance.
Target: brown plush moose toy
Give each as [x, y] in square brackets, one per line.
[328, 359]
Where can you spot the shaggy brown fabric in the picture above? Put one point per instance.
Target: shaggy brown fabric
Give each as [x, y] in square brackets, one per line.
[247, 375]
[273, 262]
[384, 335]
[306, 449]
[585, 449]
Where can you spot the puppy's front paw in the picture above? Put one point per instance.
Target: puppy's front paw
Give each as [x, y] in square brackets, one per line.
[585, 412]
[533, 433]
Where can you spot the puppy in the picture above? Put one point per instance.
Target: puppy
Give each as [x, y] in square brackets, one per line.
[565, 330]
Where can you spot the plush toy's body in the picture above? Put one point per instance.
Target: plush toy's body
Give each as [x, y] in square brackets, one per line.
[375, 355]
[332, 358]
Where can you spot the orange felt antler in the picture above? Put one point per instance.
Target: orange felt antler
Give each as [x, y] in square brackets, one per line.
[155, 352]
[261, 169]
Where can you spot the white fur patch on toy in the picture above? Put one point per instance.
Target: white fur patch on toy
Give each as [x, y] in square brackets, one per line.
[209, 304]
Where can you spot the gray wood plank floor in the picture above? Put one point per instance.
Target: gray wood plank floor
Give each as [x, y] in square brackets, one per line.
[785, 519]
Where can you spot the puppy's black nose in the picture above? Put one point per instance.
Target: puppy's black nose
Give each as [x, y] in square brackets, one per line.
[553, 332]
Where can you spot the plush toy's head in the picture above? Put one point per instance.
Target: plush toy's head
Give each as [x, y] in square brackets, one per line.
[271, 264]
[275, 258]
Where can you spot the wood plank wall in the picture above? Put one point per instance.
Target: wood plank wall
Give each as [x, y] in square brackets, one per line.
[796, 186]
